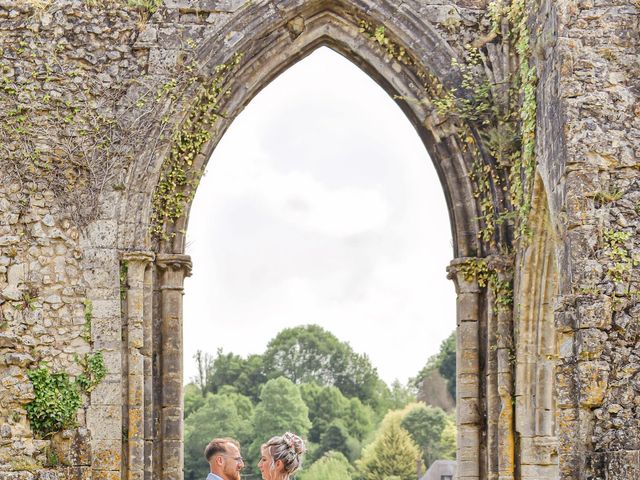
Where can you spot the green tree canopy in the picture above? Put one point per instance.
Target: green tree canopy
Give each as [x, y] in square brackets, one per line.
[426, 425]
[246, 375]
[310, 354]
[223, 415]
[447, 367]
[359, 419]
[281, 409]
[325, 405]
[331, 466]
[336, 437]
[392, 453]
[193, 399]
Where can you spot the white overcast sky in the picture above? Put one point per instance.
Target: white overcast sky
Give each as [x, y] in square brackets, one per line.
[321, 205]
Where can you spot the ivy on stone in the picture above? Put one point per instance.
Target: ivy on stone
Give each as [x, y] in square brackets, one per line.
[57, 397]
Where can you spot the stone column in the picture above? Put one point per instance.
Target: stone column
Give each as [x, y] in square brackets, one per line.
[147, 353]
[135, 335]
[502, 311]
[468, 371]
[173, 268]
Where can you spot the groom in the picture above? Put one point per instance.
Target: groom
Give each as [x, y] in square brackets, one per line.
[223, 455]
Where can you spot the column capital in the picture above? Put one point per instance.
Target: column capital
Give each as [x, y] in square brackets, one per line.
[461, 270]
[138, 256]
[174, 262]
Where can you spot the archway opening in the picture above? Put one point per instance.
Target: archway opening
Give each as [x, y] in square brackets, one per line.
[331, 215]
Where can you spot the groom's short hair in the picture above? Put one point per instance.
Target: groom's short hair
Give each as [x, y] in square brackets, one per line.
[218, 445]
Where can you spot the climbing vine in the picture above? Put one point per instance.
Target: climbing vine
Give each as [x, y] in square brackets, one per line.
[496, 116]
[480, 271]
[392, 49]
[48, 91]
[58, 397]
[179, 180]
[507, 120]
[378, 35]
[615, 249]
[524, 164]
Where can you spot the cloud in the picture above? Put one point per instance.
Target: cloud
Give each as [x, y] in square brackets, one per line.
[321, 207]
[337, 212]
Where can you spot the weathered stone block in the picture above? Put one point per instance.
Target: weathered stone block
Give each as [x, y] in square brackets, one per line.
[565, 386]
[467, 385]
[52, 475]
[206, 5]
[565, 320]
[467, 335]
[136, 389]
[467, 307]
[593, 378]
[174, 455]
[614, 465]
[172, 427]
[106, 308]
[105, 422]
[539, 451]
[112, 361]
[468, 411]
[106, 475]
[17, 476]
[467, 469]
[590, 343]
[539, 472]
[106, 455]
[594, 313]
[566, 346]
[107, 392]
[103, 233]
[467, 361]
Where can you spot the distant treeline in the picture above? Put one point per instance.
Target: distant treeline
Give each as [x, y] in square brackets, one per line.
[309, 382]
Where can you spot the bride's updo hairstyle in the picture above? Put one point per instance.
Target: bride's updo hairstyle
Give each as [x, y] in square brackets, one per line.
[289, 449]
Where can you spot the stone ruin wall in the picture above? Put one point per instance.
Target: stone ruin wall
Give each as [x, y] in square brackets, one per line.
[54, 255]
[588, 140]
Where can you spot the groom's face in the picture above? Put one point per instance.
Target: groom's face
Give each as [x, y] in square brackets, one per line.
[233, 463]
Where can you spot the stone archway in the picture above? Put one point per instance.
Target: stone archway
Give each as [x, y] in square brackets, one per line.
[97, 95]
[411, 61]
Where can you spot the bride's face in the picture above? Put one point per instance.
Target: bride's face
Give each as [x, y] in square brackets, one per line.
[265, 464]
[268, 469]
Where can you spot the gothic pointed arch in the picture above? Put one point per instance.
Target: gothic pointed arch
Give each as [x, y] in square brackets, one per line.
[264, 42]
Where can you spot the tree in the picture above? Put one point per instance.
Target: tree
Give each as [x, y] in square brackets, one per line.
[245, 375]
[281, 409]
[448, 440]
[445, 362]
[447, 367]
[359, 419]
[223, 415]
[310, 354]
[401, 395]
[336, 437]
[392, 453]
[359, 378]
[204, 363]
[426, 424]
[332, 465]
[325, 405]
[193, 399]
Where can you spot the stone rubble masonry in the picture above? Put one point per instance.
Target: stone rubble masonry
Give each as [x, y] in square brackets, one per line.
[575, 371]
